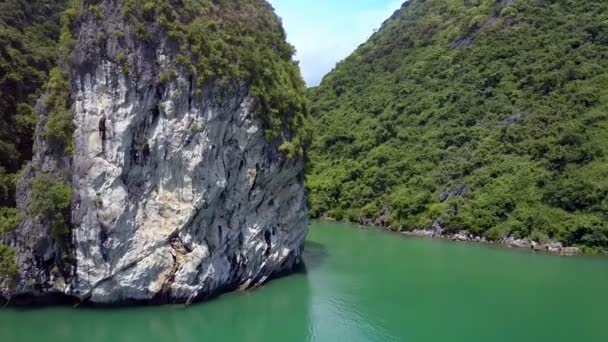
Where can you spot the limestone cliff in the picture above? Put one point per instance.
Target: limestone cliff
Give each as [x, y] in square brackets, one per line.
[179, 191]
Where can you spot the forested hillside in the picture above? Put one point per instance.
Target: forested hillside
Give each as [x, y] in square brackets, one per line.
[28, 33]
[29, 30]
[481, 115]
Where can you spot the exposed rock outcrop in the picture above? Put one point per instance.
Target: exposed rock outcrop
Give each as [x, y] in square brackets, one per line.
[177, 192]
[436, 230]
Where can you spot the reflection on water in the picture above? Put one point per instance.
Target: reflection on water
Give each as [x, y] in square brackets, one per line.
[314, 255]
[337, 311]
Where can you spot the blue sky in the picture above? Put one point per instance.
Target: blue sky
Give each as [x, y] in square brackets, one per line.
[326, 31]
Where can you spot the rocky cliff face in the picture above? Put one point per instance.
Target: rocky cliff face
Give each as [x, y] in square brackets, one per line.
[177, 193]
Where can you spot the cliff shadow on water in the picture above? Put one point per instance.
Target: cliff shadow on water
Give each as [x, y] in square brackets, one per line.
[250, 315]
[314, 256]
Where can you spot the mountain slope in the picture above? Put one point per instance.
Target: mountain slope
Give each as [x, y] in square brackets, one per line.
[482, 115]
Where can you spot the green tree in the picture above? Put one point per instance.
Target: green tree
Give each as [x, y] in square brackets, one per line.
[51, 199]
[507, 100]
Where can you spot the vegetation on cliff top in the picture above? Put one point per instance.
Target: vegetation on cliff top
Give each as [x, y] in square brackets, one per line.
[229, 40]
[490, 116]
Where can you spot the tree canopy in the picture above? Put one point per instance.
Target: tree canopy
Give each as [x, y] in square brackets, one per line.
[490, 116]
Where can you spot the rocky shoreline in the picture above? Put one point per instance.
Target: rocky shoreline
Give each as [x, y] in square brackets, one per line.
[509, 242]
[437, 231]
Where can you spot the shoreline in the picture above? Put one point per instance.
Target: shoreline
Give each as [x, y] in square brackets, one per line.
[439, 233]
[553, 248]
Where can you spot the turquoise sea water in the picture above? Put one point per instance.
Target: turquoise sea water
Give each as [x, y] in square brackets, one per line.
[367, 285]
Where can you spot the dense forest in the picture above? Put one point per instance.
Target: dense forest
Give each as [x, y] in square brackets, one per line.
[29, 31]
[480, 115]
[28, 34]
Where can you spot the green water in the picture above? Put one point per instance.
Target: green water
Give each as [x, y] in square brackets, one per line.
[365, 285]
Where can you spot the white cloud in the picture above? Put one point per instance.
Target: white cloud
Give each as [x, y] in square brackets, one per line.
[325, 35]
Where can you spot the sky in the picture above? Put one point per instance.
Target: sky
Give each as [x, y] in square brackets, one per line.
[326, 31]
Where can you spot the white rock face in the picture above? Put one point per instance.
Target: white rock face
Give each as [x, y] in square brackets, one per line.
[177, 195]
